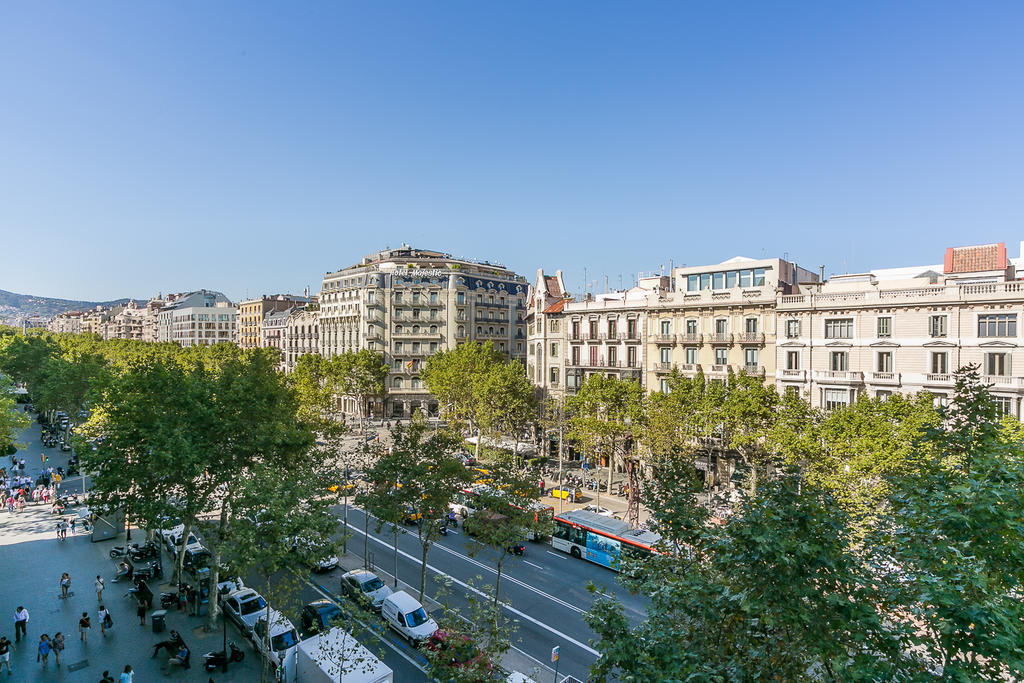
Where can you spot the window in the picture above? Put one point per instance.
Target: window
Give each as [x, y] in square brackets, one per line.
[691, 283]
[691, 326]
[553, 326]
[612, 328]
[997, 364]
[937, 325]
[554, 348]
[750, 325]
[1004, 405]
[997, 325]
[730, 279]
[666, 355]
[836, 398]
[940, 362]
[575, 329]
[750, 357]
[631, 328]
[664, 386]
[398, 383]
[691, 355]
[554, 377]
[593, 329]
[883, 327]
[721, 356]
[883, 361]
[415, 297]
[745, 276]
[631, 356]
[398, 297]
[705, 281]
[666, 327]
[792, 360]
[460, 298]
[839, 328]
[433, 347]
[721, 326]
[612, 356]
[575, 355]
[837, 361]
[433, 297]
[792, 328]
[415, 383]
[718, 281]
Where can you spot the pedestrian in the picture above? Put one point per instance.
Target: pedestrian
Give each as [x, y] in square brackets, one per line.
[542, 487]
[128, 676]
[20, 623]
[57, 644]
[83, 627]
[105, 621]
[98, 587]
[107, 678]
[141, 610]
[74, 521]
[44, 649]
[65, 585]
[5, 653]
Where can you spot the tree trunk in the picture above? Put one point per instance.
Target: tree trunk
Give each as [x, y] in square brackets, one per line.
[423, 569]
[214, 609]
[181, 553]
[479, 437]
[497, 589]
[633, 501]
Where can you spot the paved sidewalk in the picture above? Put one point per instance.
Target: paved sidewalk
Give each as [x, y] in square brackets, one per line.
[31, 562]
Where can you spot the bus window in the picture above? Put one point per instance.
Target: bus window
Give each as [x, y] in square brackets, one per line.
[562, 531]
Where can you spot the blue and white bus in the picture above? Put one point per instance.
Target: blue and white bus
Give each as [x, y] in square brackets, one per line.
[599, 539]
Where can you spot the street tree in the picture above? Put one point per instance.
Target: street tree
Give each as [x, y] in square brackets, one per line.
[362, 375]
[505, 402]
[477, 634]
[607, 419]
[430, 476]
[748, 413]
[12, 421]
[955, 533]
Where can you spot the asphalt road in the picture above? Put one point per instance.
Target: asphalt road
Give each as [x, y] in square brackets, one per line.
[544, 590]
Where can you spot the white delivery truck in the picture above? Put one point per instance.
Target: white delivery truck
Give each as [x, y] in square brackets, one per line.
[337, 657]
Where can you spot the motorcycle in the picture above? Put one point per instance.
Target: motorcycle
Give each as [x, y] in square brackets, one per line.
[153, 570]
[444, 529]
[122, 550]
[169, 599]
[146, 552]
[213, 660]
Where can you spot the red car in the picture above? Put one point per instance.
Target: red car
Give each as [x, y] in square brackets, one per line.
[460, 651]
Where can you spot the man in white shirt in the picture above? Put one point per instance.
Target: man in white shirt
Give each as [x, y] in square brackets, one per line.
[20, 623]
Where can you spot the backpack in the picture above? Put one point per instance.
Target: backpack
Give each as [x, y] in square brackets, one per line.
[107, 621]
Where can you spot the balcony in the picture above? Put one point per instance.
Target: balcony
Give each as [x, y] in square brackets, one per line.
[791, 375]
[720, 338]
[662, 367]
[689, 368]
[839, 377]
[939, 379]
[691, 338]
[1004, 382]
[751, 338]
[754, 370]
[597, 363]
[663, 338]
[887, 378]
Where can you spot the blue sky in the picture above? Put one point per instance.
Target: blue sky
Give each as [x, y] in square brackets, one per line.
[250, 147]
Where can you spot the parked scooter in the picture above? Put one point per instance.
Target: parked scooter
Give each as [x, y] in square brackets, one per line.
[153, 570]
[145, 552]
[213, 660]
[169, 599]
[122, 550]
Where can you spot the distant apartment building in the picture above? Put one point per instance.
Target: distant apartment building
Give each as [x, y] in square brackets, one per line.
[409, 303]
[252, 312]
[907, 330]
[302, 335]
[66, 323]
[201, 318]
[719, 319]
[274, 330]
[94, 319]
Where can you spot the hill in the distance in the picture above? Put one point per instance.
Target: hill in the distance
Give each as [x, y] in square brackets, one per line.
[16, 307]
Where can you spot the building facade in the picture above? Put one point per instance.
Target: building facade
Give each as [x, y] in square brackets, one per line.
[251, 314]
[907, 330]
[719, 319]
[274, 329]
[409, 303]
[301, 336]
[201, 318]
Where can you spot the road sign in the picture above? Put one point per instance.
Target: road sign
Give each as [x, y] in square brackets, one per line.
[554, 654]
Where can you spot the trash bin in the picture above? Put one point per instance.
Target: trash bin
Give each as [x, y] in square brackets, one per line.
[159, 619]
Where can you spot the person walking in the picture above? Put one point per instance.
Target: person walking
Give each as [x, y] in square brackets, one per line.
[74, 521]
[98, 587]
[107, 678]
[5, 653]
[141, 610]
[83, 627]
[57, 645]
[105, 621]
[128, 676]
[44, 649]
[65, 585]
[20, 623]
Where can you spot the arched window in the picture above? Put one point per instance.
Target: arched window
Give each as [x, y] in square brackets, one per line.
[397, 383]
[415, 329]
[433, 329]
[462, 331]
[398, 329]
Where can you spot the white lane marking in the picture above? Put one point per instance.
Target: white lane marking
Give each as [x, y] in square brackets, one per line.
[561, 555]
[371, 630]
[533, 565]
[522, 615]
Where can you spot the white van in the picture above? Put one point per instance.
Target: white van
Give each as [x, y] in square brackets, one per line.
[406, 615]
[284, 640]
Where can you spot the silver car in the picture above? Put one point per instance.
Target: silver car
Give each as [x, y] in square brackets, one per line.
[244, 607]
[365, 587]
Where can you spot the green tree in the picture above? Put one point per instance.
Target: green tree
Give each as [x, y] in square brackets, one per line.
[12, 422]
[478, 634]
[361, 374]
[505, 403]
[748, 413]
[955, 532]
[607, 417]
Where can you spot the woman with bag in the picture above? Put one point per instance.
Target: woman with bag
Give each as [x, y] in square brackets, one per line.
[57, 644]
[105, 620]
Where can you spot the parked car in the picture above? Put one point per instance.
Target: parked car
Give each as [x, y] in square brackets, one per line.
[572, 495]
[406, 615]
[282, 636]
[316, 617]
[365, 587]
[244, 607]
[460, 651]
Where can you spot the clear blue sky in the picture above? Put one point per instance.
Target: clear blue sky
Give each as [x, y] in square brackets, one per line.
[250, 147]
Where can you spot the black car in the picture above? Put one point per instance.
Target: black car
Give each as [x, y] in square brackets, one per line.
[316, 616]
